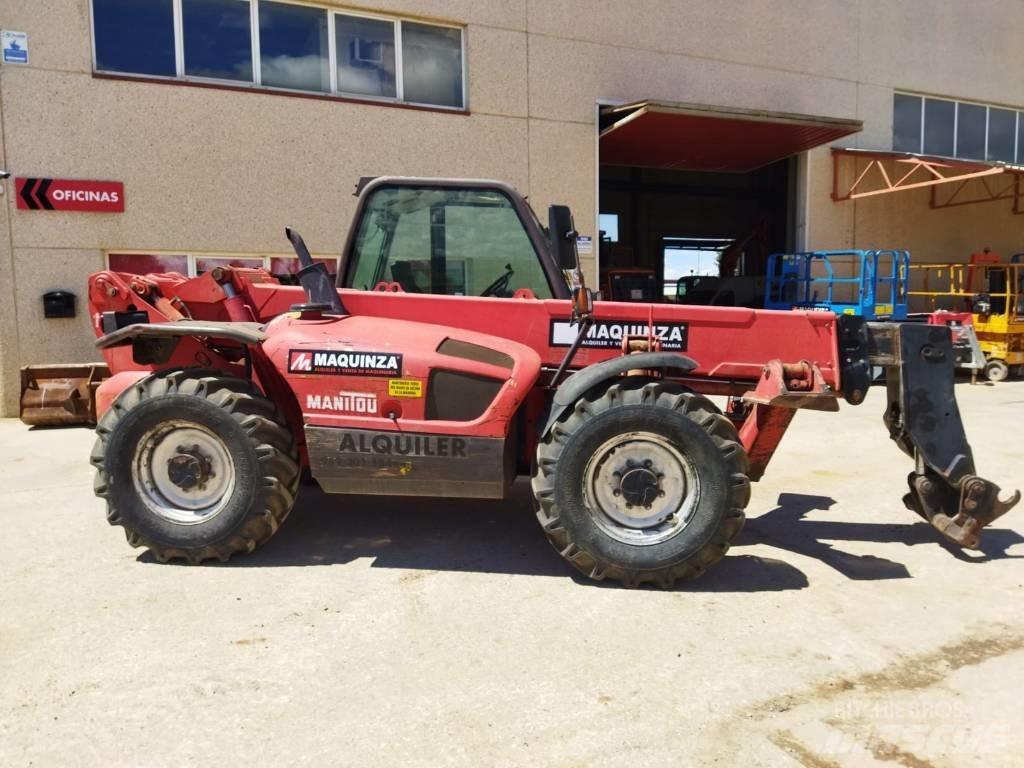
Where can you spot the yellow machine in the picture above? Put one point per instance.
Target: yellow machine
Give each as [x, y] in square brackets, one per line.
[992, 292]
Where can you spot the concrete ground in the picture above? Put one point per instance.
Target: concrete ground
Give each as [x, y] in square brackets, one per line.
[405, 632]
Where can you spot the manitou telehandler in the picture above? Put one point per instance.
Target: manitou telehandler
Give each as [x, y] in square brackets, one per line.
[457, 355]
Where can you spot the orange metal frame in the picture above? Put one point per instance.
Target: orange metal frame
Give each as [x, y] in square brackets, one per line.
[927, 172]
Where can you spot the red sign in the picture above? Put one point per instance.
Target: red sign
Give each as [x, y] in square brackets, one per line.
[70, 195]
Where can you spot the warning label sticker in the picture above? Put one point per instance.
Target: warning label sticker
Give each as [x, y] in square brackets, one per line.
[405, 388]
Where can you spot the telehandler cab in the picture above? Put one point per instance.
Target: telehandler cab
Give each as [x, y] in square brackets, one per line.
[454, 355]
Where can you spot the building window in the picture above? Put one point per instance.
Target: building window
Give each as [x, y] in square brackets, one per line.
[284, 268]
[906, 123]
[293, 47]
[365, 56]
[277, 44]
[939, 127]
[948, 128]
[1002, 134]
[135, 36]
[217, 39]
[147, 263]
[204, 264]
[970, 130]
[432, 64]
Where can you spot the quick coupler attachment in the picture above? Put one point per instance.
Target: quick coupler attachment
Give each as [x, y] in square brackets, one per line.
[924, 421]
[958, 514]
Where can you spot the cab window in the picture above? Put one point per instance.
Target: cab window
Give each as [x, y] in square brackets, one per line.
[457, 242]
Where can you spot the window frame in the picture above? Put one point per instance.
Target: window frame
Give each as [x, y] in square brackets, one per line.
[1018, 145]
[398, 98]
[192, 256]
[920, 129]
[256, 83]
[175, 9]
[956, 132]
[179, 52]
[430, 226]
[924, 119]
[1017, 159]
[258, 61]
[400, 72]
[534, 230]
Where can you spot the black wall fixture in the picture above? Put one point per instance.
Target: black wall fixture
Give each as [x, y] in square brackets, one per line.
[58, 304]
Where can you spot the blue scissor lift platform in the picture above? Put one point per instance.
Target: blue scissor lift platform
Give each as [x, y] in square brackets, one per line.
[869, 284]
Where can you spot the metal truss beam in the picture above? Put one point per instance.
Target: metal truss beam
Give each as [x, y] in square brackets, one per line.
[971, 182]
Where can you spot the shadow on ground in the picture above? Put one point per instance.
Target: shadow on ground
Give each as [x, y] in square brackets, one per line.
[504, 537]
[787, 527]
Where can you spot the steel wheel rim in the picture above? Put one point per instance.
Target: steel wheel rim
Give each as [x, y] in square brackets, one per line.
[183, 472]
[997, 370]
[643, 467]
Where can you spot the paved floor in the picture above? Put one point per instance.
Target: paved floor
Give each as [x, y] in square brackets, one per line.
[370, 632]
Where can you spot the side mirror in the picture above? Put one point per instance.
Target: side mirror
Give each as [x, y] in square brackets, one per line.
[562, 233]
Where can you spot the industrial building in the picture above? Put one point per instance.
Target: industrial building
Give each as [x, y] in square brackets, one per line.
[148, 135]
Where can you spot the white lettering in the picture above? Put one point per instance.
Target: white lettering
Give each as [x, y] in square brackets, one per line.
[606, 334]
[361, 360]
[344, 402]
[84, 196]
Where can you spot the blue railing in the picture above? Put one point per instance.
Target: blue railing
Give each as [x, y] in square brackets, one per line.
[870, 284]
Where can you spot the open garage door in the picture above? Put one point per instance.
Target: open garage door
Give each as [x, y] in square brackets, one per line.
[691, 191]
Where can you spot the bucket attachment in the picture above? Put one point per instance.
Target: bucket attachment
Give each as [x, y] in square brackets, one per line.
[60, 395]
[924, 421]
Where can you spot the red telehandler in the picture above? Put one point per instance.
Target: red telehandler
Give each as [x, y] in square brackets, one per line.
[454, 354]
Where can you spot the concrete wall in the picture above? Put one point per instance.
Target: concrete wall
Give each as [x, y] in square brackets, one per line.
[217, 170]
[9, 354]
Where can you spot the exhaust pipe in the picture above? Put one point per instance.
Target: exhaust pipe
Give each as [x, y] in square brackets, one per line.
[314, 278]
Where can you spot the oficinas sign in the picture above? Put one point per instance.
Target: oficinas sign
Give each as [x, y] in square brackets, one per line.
[69, 195]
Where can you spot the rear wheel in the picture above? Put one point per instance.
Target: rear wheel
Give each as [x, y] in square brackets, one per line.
[642, 482]
[996, 370]
[195, 465]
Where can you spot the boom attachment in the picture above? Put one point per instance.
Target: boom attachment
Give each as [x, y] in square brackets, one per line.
[924, 421]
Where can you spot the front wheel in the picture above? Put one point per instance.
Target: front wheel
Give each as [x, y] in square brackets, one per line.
[642, 482]
[996, 370]
[195, 465]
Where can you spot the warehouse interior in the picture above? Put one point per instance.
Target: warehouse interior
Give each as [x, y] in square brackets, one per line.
[688, 191]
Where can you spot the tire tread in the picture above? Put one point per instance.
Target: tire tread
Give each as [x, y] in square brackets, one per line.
[269, 435]
[630, 391]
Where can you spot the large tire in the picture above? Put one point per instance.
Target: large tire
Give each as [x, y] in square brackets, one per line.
[229, 490]
[680, 429]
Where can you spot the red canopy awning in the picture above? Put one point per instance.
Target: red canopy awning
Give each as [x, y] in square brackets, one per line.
[699, 138]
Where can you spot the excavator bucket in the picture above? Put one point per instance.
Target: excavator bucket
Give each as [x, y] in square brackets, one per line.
[924, 421]
[60, 395]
